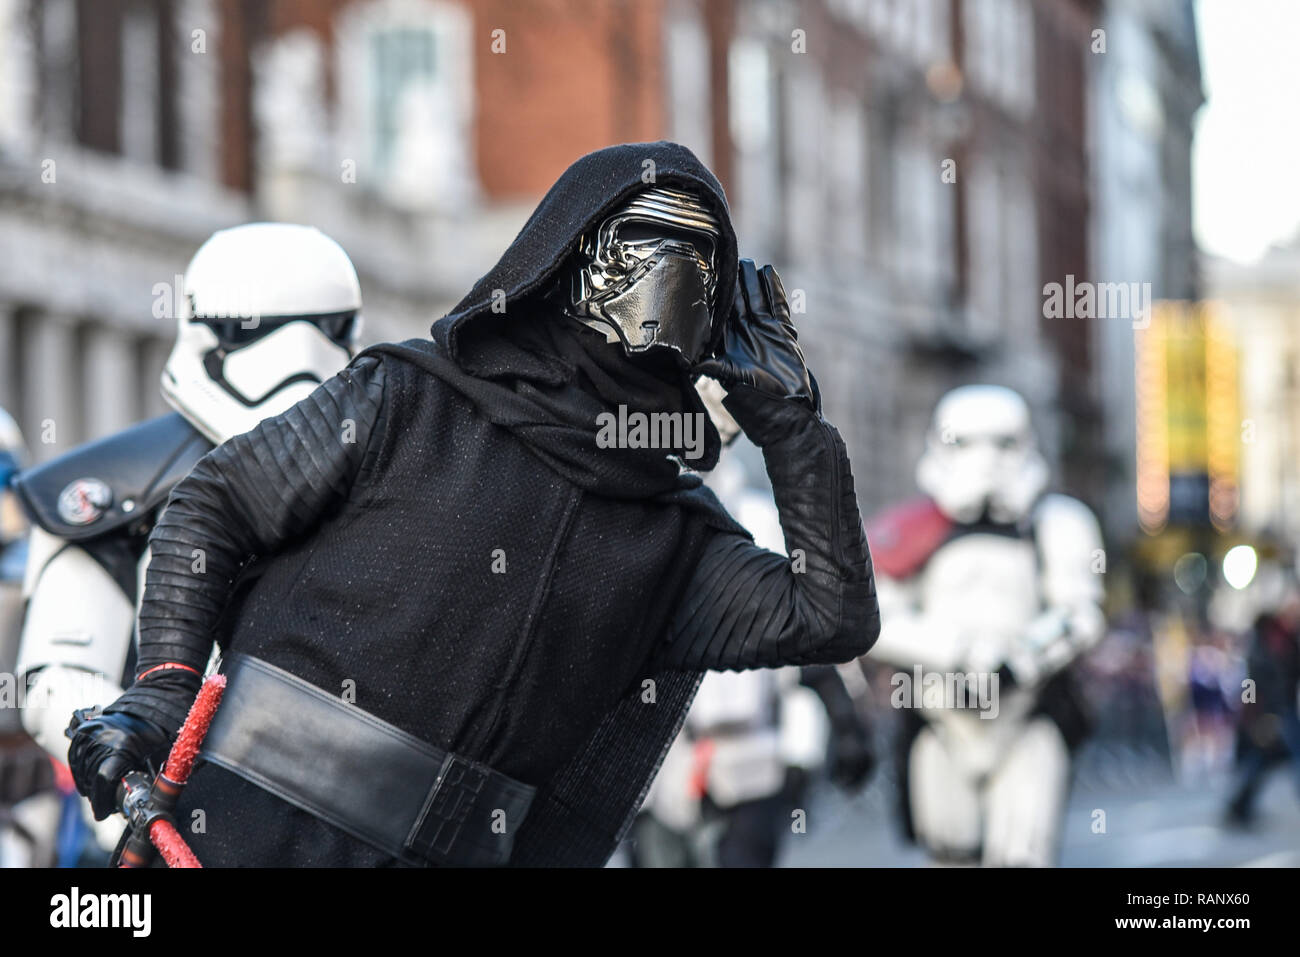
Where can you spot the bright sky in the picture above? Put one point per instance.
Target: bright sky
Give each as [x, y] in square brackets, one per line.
[1246, 158]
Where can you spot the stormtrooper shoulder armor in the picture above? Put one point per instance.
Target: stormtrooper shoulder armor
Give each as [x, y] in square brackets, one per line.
[1064, 524]
[105, 485]
[903, 538]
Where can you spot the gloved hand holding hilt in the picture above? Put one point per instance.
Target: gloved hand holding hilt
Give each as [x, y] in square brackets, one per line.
[105, 748]
[149, 804]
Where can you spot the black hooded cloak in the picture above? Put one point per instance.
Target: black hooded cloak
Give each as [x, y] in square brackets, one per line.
[579, 816]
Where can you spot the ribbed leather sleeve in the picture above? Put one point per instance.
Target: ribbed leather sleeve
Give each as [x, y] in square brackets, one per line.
[243, 499]
[747, 607]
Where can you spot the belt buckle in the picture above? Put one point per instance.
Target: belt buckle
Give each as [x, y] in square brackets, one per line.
[436, 834]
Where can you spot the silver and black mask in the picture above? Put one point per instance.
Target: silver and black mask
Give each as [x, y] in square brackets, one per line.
[647, 276]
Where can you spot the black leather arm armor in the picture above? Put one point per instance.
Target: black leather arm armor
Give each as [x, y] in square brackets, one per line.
[747, 607]
[244, 499]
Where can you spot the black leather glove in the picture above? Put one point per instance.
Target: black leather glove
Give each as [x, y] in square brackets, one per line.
[795, 786]
[760, 358]
[105, 747]
[852, 758]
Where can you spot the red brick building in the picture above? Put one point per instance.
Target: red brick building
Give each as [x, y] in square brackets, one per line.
[419, 133]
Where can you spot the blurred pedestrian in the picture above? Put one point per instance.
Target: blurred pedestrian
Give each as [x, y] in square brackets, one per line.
[1269, 730]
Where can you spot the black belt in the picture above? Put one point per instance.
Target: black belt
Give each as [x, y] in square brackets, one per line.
[347, 767]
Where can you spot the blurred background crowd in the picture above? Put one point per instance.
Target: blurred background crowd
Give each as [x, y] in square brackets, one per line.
[920, 170]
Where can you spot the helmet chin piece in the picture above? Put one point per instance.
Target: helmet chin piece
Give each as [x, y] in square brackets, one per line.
[666, 304]
[227, 392]
[258, 371]
[647, 276]
[1016, 494]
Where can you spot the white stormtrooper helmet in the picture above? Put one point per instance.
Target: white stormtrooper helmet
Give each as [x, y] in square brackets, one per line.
[981, 459]
[270, 311]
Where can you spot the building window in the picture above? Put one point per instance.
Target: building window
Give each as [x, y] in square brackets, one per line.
[1000, 52]
[406, 100]
[984, 245]
[140, 85]
[922, 211]
[750, 95]
[402, 63]
[99, 55]
[847, 207]
[686, 48]
[752, 107]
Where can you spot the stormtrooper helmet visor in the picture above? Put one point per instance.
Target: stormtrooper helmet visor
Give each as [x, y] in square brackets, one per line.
[340, 328]
[647, 275]
[282, 354]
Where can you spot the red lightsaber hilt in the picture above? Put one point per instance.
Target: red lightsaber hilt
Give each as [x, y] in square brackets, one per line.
[148, 806]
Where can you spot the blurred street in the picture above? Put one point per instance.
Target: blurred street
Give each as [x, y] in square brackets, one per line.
[1152, 821]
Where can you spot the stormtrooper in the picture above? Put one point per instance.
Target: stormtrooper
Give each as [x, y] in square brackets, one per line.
[456, 628]
[270, 310]
[989, 588]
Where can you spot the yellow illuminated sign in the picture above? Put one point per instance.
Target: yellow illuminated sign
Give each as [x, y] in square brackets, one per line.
[1188, 411]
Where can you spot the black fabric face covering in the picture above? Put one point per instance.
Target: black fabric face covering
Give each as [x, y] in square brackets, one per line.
[574, 374]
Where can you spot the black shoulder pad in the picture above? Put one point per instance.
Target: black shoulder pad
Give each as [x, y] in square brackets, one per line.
[103, 485]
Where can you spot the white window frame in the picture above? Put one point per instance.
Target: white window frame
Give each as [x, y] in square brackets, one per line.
[452, 30]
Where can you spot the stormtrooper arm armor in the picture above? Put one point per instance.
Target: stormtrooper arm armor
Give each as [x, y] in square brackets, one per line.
[907, 636]
[76, 637]
[747, 607]
[1073, 564]
[244, 499]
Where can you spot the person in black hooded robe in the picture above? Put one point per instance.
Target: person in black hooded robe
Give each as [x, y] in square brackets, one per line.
[459, 625]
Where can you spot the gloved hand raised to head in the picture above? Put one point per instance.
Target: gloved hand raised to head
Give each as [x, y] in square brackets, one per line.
[107, 746]
[769, 387]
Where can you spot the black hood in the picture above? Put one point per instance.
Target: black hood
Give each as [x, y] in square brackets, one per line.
[588, 191]
[546, 377]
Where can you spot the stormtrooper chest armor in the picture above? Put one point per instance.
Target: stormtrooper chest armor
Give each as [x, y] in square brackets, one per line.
[984, 586]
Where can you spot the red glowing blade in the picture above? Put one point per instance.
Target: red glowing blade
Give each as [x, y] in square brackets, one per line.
[171, 845]
[180, 762]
